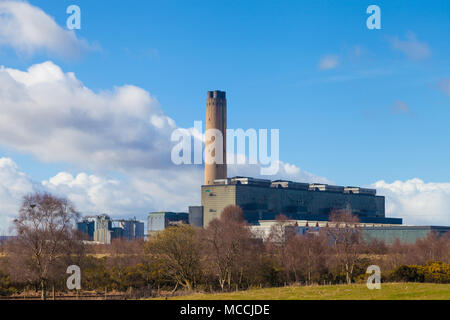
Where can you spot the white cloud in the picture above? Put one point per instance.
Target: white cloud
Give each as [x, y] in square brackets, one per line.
[90, 193]
[53, 116]
[28, 29]
[170, 190]
[418, 202]
[411, 47]
[137, 195]
[329, 62]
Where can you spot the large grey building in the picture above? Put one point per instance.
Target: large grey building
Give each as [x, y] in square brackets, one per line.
[264, 200]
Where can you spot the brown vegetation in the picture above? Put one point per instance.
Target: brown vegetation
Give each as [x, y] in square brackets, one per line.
[225, 256]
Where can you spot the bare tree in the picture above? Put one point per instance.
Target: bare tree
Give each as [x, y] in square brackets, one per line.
[226, 242]
[281, 230]
[431, 248]
[280, 247]
[346, 239]
[45, 238]
[305, 256]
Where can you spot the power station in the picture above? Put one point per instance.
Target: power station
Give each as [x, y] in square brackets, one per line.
[305, 204]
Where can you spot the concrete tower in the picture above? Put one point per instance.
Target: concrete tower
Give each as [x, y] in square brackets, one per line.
[216, 118]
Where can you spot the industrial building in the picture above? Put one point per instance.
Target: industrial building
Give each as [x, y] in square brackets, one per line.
[264, 200]
[103, 229]
[158, 221]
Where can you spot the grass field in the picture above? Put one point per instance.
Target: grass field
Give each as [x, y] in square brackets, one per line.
[388, 291]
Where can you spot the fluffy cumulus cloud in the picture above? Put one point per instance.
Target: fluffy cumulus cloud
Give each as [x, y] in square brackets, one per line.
[418, 202]
[329, 62]
[28, 29]
[93, 194]
[53, 116]
[50, 114]
[137, 195]
[411, 47]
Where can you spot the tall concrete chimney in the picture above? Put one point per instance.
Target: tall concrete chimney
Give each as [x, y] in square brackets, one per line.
[216, 118]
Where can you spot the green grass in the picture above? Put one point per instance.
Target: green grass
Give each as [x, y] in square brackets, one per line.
[388, 291]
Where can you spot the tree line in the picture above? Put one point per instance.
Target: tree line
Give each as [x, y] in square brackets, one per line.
[224, 256]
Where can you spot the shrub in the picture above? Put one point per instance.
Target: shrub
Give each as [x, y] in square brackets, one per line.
[408, 274]
[438, 272]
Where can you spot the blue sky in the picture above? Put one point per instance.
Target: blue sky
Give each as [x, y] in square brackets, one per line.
[379, 112]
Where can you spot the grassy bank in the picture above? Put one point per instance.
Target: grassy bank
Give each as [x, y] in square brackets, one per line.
[388, 291]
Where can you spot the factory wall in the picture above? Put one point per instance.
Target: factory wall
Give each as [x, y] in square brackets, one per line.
[405, 234]
[388, 234]
[216, 198]
[196, 216]
[256, 200]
